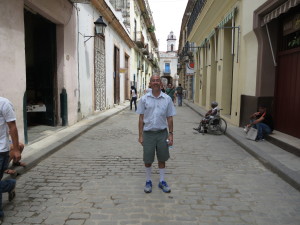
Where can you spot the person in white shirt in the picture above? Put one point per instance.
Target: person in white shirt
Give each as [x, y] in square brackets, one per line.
[7, 126]
[133, 94]
[156, 111]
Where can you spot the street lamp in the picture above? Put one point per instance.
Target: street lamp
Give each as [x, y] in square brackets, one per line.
[99, 28]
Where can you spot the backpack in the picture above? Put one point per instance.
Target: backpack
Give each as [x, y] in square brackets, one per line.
[179, 90]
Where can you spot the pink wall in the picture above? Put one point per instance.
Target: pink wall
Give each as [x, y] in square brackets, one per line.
[12, 56]
[12, 52]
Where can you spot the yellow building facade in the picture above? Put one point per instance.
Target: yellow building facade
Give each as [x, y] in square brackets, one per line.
[246, 54]
[224, 49]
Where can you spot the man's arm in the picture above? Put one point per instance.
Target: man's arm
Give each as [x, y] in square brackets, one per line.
[13, 131]
[254, 115]
[141, 128]
[259, 120]
[170, 125]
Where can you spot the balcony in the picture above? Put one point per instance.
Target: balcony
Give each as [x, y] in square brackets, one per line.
[150, 57]
[199, 5]
[139, 39]
[167, 72]
[145, 50]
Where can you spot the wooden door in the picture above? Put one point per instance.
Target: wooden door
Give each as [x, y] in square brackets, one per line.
[116, 76]
[287, 93]
[127, 84]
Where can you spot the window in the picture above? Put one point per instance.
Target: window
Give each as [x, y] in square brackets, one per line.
[167, 67]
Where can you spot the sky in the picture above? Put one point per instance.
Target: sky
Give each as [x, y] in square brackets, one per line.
[167, 15]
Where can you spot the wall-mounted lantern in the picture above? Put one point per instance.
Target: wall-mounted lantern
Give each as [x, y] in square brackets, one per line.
[99, 28]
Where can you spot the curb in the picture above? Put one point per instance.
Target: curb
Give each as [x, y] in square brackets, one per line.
[75, 131]
[288, 175]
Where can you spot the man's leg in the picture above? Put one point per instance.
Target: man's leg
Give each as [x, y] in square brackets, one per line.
[163, 155]
[131, 103]
[135, 107]
[262, 130]
[162, 183]
[7, 185]
[148, 157]
[179, 100]
[148, 185]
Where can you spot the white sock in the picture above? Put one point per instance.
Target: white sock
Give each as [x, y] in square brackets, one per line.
[162, 174]
[148, 173]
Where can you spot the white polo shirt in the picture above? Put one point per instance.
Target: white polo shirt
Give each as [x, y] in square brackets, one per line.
[155, 111]
[7, 114]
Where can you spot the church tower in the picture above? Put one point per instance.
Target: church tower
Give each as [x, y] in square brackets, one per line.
[171, 42]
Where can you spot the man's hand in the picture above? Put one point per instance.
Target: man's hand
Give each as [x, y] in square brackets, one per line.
[141, 140]
[170, 138]
[15, 154]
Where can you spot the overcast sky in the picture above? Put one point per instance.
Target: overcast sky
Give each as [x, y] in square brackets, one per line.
[167, 16]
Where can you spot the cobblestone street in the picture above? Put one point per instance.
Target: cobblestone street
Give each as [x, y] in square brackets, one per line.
[99, 178]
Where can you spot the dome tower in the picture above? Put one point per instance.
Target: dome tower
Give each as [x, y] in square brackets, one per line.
[171, 42]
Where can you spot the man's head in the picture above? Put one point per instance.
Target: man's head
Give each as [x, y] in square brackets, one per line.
[155, 82]
[214, 104]
[179, 85]
[262, 108]
[170, 85]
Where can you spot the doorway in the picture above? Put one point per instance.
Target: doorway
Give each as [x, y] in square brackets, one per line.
[116, 75]
[127, 81]
[40, 51]
[287, 95]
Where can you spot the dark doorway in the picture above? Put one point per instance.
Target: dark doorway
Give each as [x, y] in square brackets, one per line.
[116, 76]
[40, 50]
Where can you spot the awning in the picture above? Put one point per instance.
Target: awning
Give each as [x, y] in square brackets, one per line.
[279, 10]
[228, 17]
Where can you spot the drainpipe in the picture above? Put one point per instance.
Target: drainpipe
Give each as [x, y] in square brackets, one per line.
[78, 77]
[272, 51]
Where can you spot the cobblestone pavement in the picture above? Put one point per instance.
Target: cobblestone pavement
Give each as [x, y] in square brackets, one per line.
[99, 177]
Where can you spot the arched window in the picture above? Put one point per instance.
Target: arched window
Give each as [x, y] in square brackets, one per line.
[172, 48]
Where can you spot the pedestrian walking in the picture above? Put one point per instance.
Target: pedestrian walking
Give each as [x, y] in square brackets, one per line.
[171, 92]
[179, 93]
[133, 94]
[7, 126]
[155, 125]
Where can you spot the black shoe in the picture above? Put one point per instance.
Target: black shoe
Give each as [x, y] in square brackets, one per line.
[197, 129]
[203, 131]
[11, 195]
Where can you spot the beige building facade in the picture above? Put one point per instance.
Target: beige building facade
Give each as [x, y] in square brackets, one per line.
[235, 46]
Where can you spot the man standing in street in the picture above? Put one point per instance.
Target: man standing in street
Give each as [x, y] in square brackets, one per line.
[7, 126]
[179, 93]
[156, 111]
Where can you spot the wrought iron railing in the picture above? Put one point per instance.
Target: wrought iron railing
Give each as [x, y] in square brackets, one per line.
[196, 11]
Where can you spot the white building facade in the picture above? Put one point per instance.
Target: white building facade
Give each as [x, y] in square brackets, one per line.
[168, 62]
